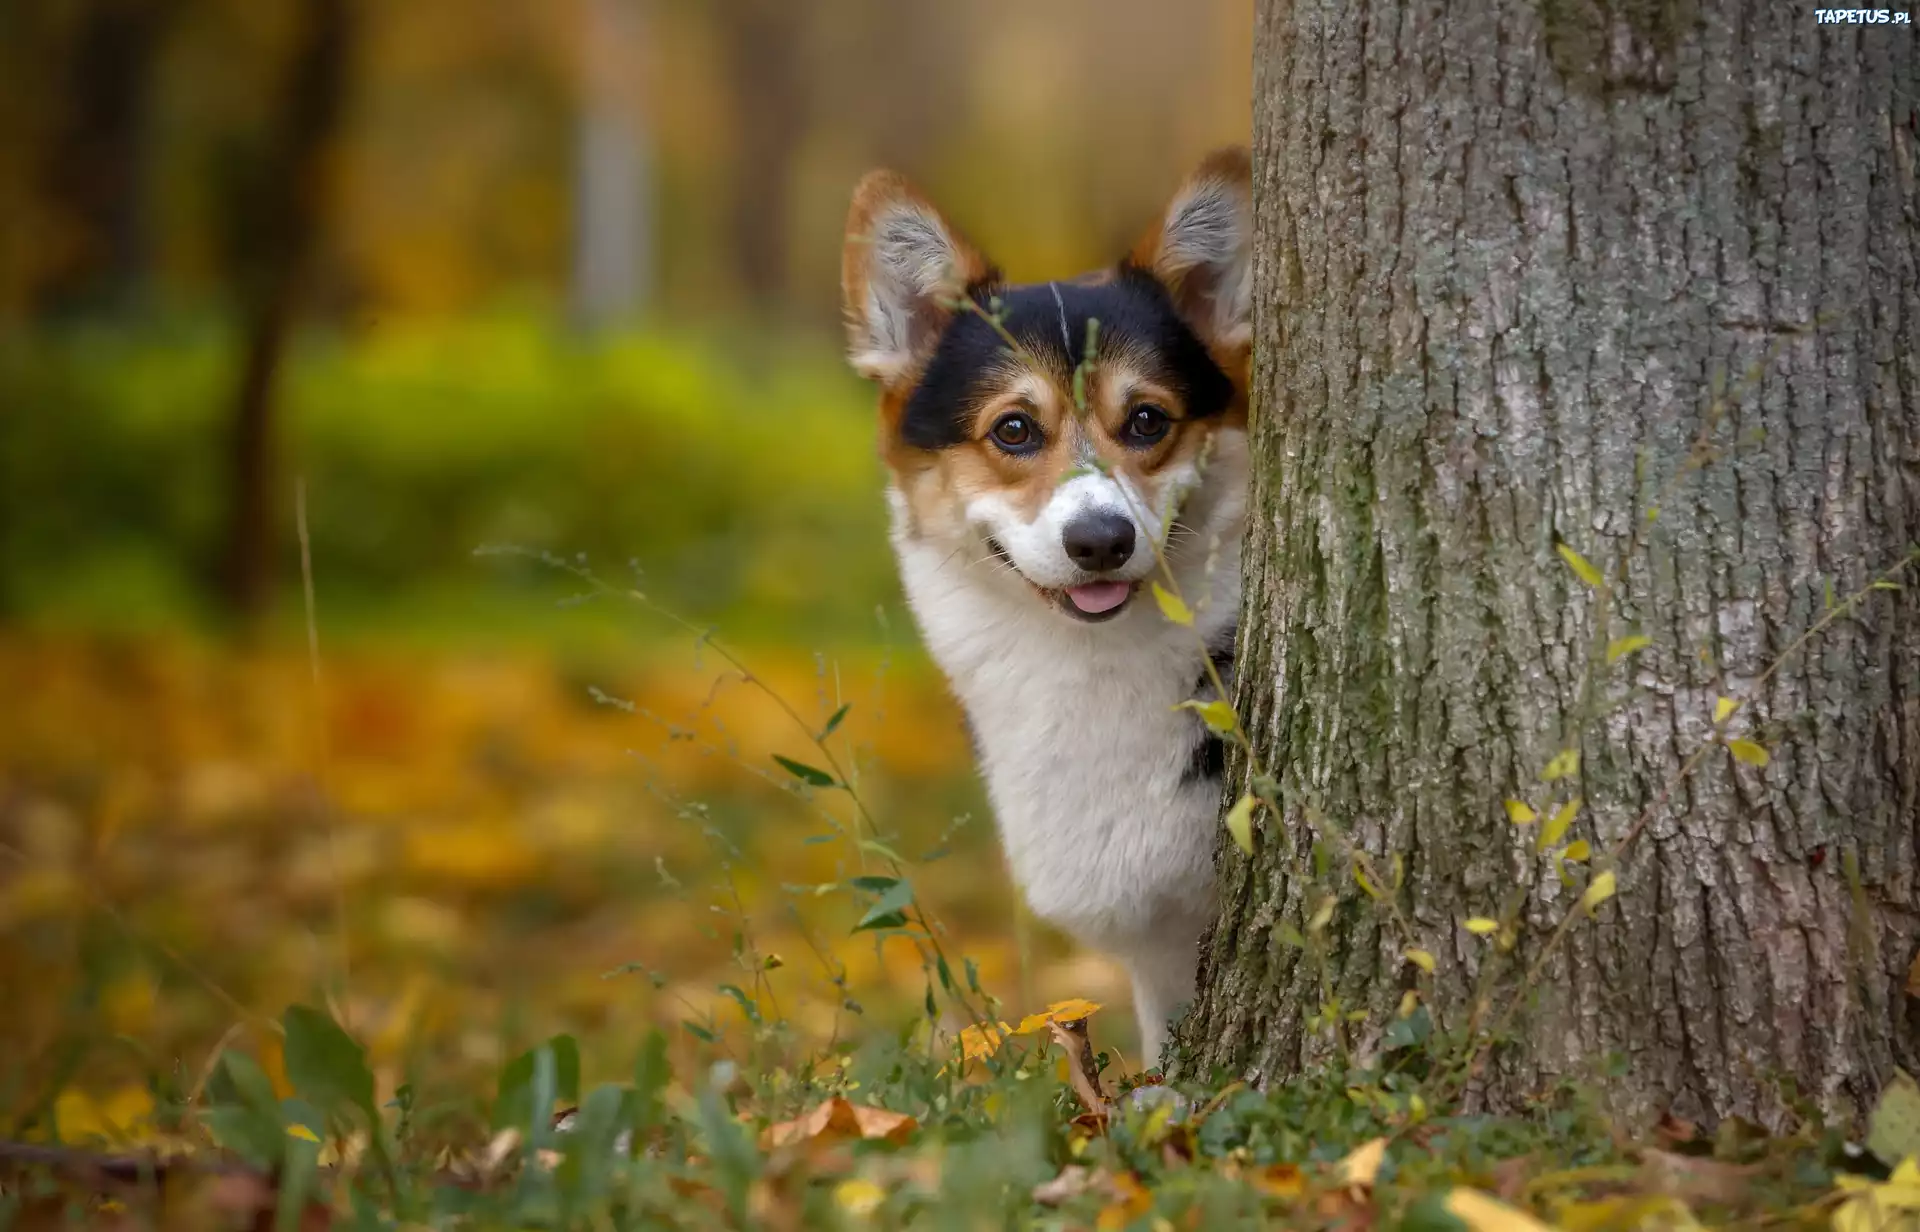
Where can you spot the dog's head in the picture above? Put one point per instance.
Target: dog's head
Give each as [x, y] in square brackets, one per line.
[1063, 426]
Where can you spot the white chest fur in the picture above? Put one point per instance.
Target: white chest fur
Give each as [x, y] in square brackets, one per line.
[1108, 827]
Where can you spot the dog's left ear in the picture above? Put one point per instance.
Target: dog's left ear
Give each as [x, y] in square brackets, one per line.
[1202, 251]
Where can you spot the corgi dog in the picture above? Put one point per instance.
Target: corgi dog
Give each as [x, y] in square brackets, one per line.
[1051, 448]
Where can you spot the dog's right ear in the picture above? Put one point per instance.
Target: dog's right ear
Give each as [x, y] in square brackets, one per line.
[903, 272]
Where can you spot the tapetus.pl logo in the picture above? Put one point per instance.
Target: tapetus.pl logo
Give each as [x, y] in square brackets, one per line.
[1862, 17]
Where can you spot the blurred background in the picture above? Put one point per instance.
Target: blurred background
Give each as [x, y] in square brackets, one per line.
[381, 284]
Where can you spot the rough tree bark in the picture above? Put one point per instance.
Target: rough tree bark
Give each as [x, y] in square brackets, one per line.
[1506, 252]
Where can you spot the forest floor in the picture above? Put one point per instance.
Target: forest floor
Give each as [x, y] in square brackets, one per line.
[344, 952]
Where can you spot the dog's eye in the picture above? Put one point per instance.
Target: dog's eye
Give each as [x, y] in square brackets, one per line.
[1146, 424]
[1016, 433]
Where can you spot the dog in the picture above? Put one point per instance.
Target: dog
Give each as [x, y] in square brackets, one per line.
[1050, 448]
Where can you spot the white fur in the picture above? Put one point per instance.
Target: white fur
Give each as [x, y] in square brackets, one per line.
[1083, 753]
[913, 261]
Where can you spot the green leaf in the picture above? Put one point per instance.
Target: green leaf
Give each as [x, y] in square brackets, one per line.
[890, 909]
[1565, 763]
[1598, 891]
[1581, 567]
[872, 884]
[805, 773]
[1217, 715]
[1367, 887]
[1520, 813]
[514, 1105]
[325, 1064]
[240, 1080]
[1893, 1132]
[651, 1073]
[1240, 823]
[1748, 752]
[293, 1183]
[833, 723]
[746, 1003]
[1172, 606]
[1620, 647]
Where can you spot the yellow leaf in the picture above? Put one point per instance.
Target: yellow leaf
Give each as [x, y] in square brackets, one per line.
[302, 1132]
[1240, 823]
[1362, 1164]
[1217, 715]
[1723, 709]
[1520, 813]
[1322, 916]
[1072, 1010]
[1421, 959]
[1481, 926]
[1360, 877]
[1577, 851]
[1556, 826]
[1621, 647]
[1566, 762]
[858, 1196]
[982, 1041]
[1409, 1002]
[1913, 977]
[1749, 752]
[1279, 1181]
[1486, 1213]
[1599, 890]
[1580, 566]
[118, 1116]
[1172, 606]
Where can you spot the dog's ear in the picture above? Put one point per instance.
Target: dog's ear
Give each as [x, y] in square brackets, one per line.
[1202, 251]
[903, 272]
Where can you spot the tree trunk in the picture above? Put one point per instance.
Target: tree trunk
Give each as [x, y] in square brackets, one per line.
[613, 172]
[290, 209]
[1640, 279]
[763, 54]
[97, 159]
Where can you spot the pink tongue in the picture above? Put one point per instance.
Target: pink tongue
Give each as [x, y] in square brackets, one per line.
[1096, 597]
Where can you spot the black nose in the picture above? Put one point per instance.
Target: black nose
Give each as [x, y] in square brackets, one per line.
[1098, 542]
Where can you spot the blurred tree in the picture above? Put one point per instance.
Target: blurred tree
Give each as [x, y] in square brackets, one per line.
[1505, 255]
[288, 212]
[97, 156]
[762, 40]
[613, 170]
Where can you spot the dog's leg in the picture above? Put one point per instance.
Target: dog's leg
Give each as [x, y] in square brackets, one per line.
[1162, 985]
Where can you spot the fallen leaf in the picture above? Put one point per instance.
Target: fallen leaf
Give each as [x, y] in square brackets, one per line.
[858, 1196]
[1485, 1213]
[1696, 1177]
[1362, 1164]
[1129, 1200]
[1279, 1181]
[1074, 1180]
[1892, 1205]
[1913, 977]
[838, 1119]
[1676, 1131]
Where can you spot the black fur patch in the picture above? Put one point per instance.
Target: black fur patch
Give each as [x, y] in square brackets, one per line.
[1209, 761]
[1134, 311]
